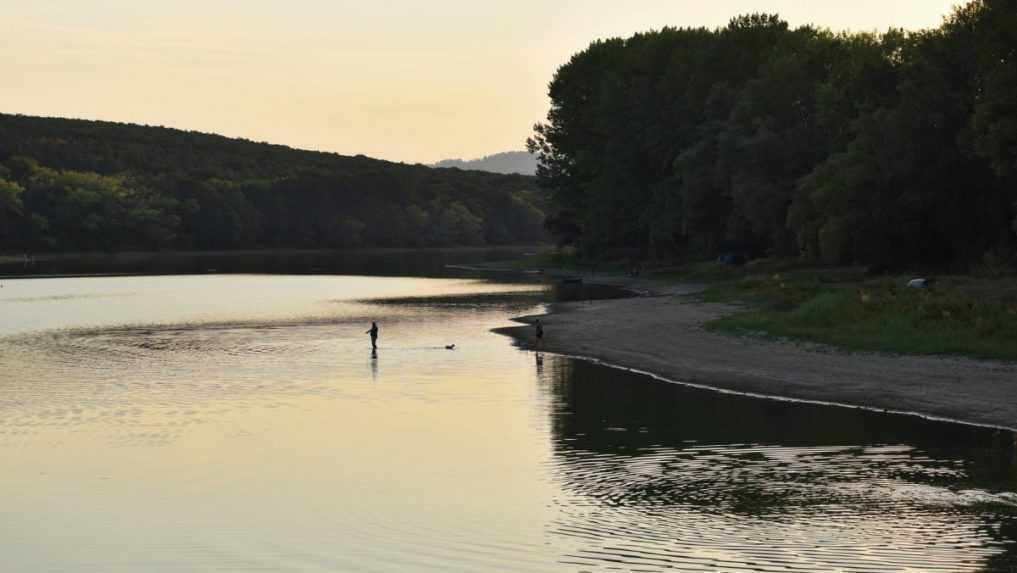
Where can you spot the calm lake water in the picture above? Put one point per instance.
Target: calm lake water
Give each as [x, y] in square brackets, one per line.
[241, 423]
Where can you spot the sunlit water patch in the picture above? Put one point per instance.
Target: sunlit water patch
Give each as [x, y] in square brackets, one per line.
[242, 423]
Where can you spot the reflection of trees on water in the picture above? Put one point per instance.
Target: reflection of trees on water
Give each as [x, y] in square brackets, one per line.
[598, 399]
[622, 440]
[1008, 530]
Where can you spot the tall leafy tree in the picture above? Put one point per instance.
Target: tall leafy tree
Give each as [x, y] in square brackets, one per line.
[892, 150]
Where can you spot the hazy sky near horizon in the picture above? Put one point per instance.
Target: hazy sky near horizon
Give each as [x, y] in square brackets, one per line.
[405, 80]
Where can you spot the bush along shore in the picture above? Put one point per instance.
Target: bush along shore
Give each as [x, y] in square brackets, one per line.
[846, 307]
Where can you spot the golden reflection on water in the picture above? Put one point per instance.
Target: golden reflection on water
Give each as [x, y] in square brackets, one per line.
[267, 437]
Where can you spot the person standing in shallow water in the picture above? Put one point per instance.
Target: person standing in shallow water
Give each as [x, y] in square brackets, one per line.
[374, 335]
[540, 333]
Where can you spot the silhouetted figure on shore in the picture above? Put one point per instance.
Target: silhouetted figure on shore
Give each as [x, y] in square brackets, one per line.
[540, 333]
[374, 335]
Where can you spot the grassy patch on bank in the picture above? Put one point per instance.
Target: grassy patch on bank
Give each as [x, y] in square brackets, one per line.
[956, 316]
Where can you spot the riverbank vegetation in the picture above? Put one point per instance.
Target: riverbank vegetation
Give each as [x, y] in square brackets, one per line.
[844, 307]
[893, 151]
[70, 185]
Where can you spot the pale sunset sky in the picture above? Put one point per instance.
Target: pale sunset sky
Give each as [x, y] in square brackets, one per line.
[404, 80]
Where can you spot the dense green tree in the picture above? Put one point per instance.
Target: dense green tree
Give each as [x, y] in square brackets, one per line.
[891, 150]
[10, 207]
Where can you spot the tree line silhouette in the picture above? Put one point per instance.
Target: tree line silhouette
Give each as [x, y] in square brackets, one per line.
[895, 149]
[72, 185]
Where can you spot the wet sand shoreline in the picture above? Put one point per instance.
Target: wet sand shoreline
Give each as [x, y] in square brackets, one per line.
[662, 334]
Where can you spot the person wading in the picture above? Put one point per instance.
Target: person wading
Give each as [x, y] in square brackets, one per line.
[540, 333]
[374, 335]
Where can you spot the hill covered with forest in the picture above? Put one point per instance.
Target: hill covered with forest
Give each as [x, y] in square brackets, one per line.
[892, 150]
[75, 185]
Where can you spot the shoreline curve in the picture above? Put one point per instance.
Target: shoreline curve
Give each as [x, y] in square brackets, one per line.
[660, 334]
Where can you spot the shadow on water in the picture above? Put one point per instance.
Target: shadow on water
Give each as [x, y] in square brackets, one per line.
[510, 301]
[674, 477]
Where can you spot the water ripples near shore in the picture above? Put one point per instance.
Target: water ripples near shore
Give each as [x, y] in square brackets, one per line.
[777, 509]
[685, 488]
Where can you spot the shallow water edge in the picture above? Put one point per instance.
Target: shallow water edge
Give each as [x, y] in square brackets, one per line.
[598, 349]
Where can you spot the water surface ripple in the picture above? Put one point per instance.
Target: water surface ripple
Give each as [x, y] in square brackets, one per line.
[241, 423]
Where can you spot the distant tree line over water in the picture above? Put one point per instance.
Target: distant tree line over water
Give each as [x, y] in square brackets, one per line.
[70, 185]
[891, 150]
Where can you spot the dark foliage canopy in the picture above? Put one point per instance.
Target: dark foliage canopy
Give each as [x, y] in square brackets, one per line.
[891, 150]
[71, 185]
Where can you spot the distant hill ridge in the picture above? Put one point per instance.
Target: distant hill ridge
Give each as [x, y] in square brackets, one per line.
[77, 185]
[519, 162]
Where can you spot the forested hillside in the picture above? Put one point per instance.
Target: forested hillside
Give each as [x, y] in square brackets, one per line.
[70, 185]
[892, 150]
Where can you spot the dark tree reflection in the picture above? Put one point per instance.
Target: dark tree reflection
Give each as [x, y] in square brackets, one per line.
[677, 455]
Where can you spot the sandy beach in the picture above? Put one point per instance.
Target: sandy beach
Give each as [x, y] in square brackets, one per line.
[662, 333]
